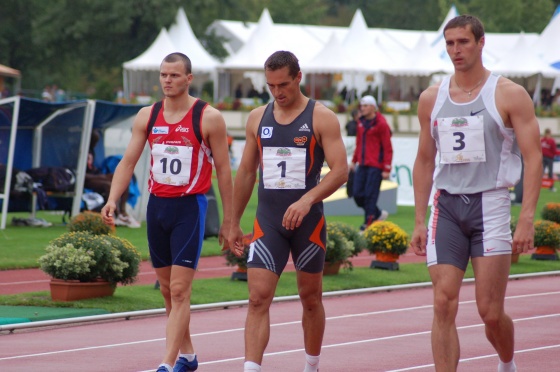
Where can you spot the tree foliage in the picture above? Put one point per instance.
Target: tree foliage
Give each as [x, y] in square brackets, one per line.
[80, 45]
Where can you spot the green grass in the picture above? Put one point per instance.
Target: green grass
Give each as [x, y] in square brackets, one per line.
[20, 247]
[142, 297]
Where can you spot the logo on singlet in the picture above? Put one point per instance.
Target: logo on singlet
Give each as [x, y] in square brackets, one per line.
[459, 122]
[304, 128]
[174, 150]
[300, 141]
[181, 129]
[266, 132]
[477, 112]
[283, 151]
[160, 130]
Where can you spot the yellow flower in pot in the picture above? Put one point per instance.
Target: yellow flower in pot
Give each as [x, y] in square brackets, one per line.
[385, 237]
[546, 240]
[551, 212]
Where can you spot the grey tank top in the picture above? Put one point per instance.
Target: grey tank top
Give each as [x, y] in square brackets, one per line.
[502, 167]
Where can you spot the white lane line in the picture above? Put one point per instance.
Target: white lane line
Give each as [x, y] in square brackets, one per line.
[266, 354]
[478, 358]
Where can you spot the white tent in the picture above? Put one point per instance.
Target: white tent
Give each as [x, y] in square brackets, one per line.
[183, 37]
[548, 43]
[422, 60]
[522, 60]
[141, 74]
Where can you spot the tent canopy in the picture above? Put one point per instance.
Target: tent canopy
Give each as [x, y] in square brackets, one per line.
[32, 133]
[141, 74]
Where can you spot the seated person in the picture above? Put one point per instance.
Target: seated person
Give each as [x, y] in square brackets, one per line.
[100, 182]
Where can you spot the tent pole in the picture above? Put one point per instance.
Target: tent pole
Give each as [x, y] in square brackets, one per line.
[82, 158]
[10, 162]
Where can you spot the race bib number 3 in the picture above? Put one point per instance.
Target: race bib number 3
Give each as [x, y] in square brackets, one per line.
[284, 168]
[171, 164]
[461, 139]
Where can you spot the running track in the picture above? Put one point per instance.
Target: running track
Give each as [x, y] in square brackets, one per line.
[384, 331]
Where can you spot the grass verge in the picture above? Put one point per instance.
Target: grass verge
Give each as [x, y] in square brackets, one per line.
[132, 298]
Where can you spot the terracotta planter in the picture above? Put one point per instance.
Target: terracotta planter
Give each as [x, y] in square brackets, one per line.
[545, 253]
[72, 290]
[332, 268]
[386, 256]
[545, 250]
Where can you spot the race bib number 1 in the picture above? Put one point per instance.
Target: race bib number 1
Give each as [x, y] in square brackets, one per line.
[284, 167]
[461, 139]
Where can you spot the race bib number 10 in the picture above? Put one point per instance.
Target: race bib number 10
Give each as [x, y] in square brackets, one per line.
[284, 167]
[461, 139]
[171, 164]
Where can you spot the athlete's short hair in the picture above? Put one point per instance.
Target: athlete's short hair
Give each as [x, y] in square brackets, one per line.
[281, 59]
[466, 20]
[179, 57]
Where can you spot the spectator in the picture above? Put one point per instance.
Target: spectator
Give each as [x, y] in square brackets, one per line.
[548, 145]
[373, 154]
[352, 124]
[100, 182]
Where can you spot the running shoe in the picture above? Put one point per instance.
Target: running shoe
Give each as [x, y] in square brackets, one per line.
[383, 216]
[183, 365]
[162, 369]
[127, 221]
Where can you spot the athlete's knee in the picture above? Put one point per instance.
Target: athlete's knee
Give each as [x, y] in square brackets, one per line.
[445, 307]
[179, 292]
[492, 316]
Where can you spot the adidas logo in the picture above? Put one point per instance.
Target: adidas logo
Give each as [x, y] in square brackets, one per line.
[304, 128]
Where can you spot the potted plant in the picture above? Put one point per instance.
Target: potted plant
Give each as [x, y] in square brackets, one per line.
[546, 240]
[338, 250]
[81, 259]
[551, 212]
[343, 241]
[387, 241]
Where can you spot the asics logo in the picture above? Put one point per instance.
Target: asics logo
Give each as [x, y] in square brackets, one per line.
[182, 129]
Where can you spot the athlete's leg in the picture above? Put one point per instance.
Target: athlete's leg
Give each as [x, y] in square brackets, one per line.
[176, 284]
[491, 274]
[373, 185]
[446, 281]
[262, 285]
[313, 319]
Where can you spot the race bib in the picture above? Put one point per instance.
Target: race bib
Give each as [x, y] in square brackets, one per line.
[171, 164]
[284, 167]
[461, 139]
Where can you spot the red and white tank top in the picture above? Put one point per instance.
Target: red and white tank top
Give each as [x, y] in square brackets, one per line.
[181, 163]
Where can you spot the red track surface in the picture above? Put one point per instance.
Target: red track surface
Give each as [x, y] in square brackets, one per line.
[388, 331]
[31, 280]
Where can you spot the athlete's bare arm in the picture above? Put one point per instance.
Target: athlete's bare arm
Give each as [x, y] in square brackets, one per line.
[327, 131]
[516, 107]
[125, 168]
[215, 135]
[245, 179]
[422, 174]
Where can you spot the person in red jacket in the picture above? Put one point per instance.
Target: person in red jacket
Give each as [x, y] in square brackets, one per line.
[373, 155]
[548, 146]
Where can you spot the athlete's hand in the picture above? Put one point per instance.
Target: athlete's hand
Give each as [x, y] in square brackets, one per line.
[235, 241]
[108, 213]
[523, 238]
[223, 236]
[418, 240]
[294, 214]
